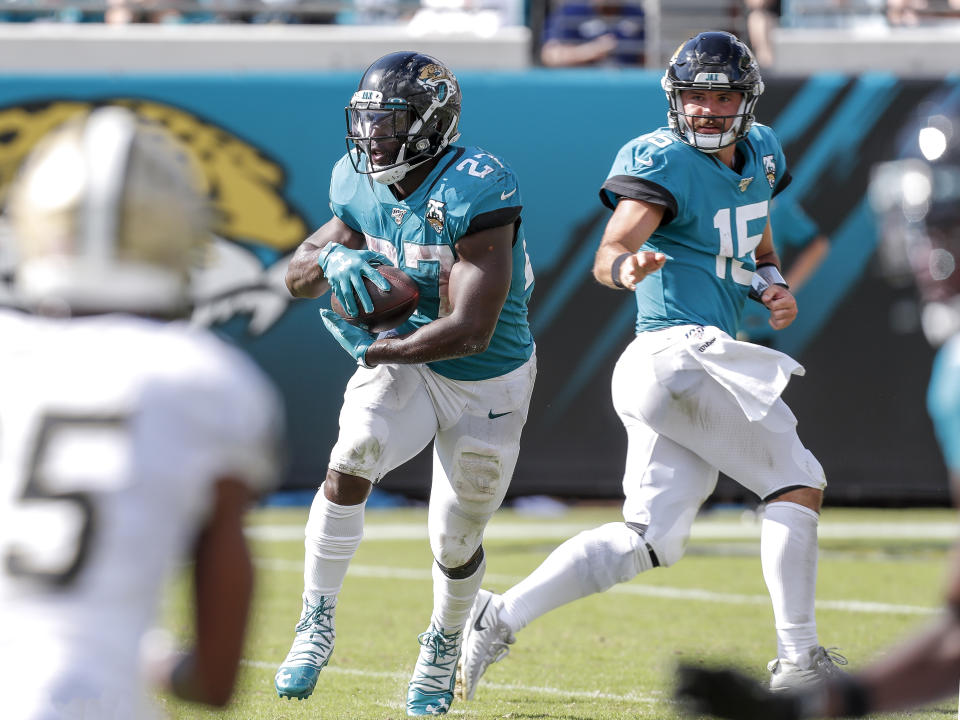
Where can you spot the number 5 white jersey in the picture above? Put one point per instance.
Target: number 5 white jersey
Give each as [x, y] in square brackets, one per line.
[113, 430]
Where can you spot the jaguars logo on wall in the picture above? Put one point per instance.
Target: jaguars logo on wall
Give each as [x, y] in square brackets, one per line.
[256, 227]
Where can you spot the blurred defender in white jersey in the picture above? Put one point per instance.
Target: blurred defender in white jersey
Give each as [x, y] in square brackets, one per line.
[127, 442]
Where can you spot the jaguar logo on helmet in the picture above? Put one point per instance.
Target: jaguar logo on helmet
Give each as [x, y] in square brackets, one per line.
[439, 79]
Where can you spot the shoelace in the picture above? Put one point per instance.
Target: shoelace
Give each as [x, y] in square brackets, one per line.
[443, 653]
[317, 629]
[829, 657]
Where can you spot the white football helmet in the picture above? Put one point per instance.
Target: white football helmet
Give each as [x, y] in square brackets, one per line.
[107, 215]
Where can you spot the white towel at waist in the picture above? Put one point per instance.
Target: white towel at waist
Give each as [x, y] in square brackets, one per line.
[755, 375]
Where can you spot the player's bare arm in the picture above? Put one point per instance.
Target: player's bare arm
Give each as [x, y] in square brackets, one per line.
[779, 300]
[630, 226]
[924, 668]
[223, 583]
[304, 276]
[479, 283]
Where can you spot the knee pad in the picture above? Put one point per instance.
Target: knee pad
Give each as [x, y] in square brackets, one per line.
[455, 547]
[360, 446]
[476, 478]
[611, 554]
[477, 472]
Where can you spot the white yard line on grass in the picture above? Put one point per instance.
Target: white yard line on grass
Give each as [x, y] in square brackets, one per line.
[673, 593]
[539, 689]
[702, 530]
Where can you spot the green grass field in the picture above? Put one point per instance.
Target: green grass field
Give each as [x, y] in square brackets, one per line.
[606, 656]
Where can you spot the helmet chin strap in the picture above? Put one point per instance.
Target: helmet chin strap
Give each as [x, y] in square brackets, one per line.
[711, 144]
[391, 175]
[395, 174]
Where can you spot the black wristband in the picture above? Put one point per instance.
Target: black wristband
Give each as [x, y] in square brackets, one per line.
[615, 269]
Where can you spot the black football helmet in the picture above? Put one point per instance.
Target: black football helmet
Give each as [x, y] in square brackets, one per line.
[405, 111]
[712, 61]
[917, 203]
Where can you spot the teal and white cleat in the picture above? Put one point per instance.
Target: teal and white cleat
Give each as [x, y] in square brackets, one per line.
[431, 689]
[311, 650]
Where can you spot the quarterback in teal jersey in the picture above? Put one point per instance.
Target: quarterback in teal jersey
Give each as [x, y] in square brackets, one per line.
[690, 237]
[921, 227]
[459, 373]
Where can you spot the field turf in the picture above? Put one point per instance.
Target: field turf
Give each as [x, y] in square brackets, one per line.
[607, 656]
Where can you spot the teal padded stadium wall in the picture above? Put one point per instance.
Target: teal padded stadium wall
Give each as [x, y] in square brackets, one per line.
[267, 143]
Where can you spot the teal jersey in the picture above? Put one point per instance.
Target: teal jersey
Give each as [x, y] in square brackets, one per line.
[943, 401]
[714, 219]
[469, 190]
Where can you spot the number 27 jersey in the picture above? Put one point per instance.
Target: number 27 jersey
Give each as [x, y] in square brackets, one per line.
[713, 221]
[469, 190]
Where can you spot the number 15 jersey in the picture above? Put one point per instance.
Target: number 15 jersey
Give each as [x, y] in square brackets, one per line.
[713, 220]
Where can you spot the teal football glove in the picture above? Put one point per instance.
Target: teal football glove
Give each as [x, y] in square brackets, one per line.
[352, 338]
[345, 269]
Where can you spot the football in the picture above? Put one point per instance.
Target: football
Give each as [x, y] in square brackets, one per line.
[390, 309]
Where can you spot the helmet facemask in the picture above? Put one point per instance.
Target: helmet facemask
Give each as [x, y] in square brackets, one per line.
[684, 124]
[405, 112]
[388, 140]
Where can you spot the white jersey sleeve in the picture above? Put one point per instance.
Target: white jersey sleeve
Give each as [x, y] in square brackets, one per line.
[226, 413]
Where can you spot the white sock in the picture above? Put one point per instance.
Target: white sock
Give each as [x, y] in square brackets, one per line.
[333, 533]
[452, 599]
[788, 554]
[588, 563]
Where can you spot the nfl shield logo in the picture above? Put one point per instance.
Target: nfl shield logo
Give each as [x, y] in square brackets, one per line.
[398, 214]
[745, 183]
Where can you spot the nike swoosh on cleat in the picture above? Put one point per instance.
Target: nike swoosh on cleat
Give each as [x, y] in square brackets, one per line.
[476, 625]
[505, 195]
[493, 416]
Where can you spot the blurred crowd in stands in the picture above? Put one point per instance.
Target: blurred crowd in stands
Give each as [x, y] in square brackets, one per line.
[568, 33]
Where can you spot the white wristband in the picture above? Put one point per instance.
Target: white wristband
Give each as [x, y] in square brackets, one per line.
[764, 277]
[771, 273]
